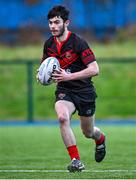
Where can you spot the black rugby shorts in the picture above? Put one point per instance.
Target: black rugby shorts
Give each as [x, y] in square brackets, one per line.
[83, 101]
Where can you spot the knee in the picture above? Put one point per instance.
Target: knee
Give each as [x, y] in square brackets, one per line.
[88, 134]
[62, 118]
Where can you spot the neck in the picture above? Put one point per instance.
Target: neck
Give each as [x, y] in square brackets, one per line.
[63, 37]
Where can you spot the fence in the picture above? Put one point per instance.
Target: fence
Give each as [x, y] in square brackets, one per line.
[29, 65]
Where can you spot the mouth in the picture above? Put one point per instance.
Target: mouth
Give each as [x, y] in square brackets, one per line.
[54, 31]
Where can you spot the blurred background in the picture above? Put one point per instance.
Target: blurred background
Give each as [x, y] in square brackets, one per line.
[24, 21]
[109, 26]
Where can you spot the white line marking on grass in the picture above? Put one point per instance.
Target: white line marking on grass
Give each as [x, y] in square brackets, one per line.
[60, 171]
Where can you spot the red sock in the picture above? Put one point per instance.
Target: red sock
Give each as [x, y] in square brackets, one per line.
[100, 141]
[73, 152]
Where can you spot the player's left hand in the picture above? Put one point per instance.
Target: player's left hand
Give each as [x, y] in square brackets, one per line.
[61, 75]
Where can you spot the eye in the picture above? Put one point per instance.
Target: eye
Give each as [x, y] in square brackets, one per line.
[57, 22]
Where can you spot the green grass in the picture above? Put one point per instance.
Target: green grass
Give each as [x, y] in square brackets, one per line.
[116, 88]
[115, 49]
[21, 52]
[41, 148]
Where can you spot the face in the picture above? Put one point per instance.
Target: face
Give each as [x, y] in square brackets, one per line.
[57, 26]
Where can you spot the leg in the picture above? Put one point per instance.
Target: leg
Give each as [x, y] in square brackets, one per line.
[64, 111]
[88, 128]
[90, 131]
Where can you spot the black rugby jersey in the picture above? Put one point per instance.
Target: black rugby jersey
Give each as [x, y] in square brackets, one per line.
[74, 55]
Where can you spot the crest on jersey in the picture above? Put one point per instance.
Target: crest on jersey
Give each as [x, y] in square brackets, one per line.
[68, 55]
[61, 95]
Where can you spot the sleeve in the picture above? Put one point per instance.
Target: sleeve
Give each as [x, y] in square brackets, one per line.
[44, 55]
[86, 53]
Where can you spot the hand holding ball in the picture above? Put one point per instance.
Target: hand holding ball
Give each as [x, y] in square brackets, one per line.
[47, 67]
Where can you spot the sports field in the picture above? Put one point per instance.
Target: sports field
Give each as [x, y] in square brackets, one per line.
[37, 152]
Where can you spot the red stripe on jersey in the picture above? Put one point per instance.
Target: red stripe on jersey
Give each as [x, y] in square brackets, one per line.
[51, 51]
[66, 58]
[51, 54]
[88, 60]
[88, 56]
[66, 62]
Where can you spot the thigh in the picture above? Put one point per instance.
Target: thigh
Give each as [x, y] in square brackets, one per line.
[87, 123]
[64, 108]
[64, 104]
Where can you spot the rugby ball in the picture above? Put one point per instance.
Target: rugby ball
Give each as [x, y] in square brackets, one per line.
[47, 67]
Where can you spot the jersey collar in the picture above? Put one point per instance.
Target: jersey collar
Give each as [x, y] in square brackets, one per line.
[60, 44]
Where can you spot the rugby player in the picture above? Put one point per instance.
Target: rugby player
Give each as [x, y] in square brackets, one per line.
[75, 90]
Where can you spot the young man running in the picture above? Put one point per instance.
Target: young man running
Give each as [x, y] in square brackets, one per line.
[75, 90]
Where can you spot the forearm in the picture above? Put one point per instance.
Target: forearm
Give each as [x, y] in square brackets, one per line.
[88, 72]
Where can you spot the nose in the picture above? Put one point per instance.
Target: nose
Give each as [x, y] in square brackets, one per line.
[52, 26]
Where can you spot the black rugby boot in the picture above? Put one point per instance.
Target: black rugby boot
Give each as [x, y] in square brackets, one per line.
[100, 151]
[75, 166]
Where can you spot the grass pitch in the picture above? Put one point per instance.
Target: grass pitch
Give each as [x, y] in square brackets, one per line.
[37, 152]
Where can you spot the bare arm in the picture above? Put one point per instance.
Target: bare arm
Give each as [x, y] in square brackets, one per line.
[91, 70]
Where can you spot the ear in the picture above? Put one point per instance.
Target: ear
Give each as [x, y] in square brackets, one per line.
[67, 22]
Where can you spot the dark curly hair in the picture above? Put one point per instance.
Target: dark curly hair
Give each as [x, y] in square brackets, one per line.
[58, 11]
